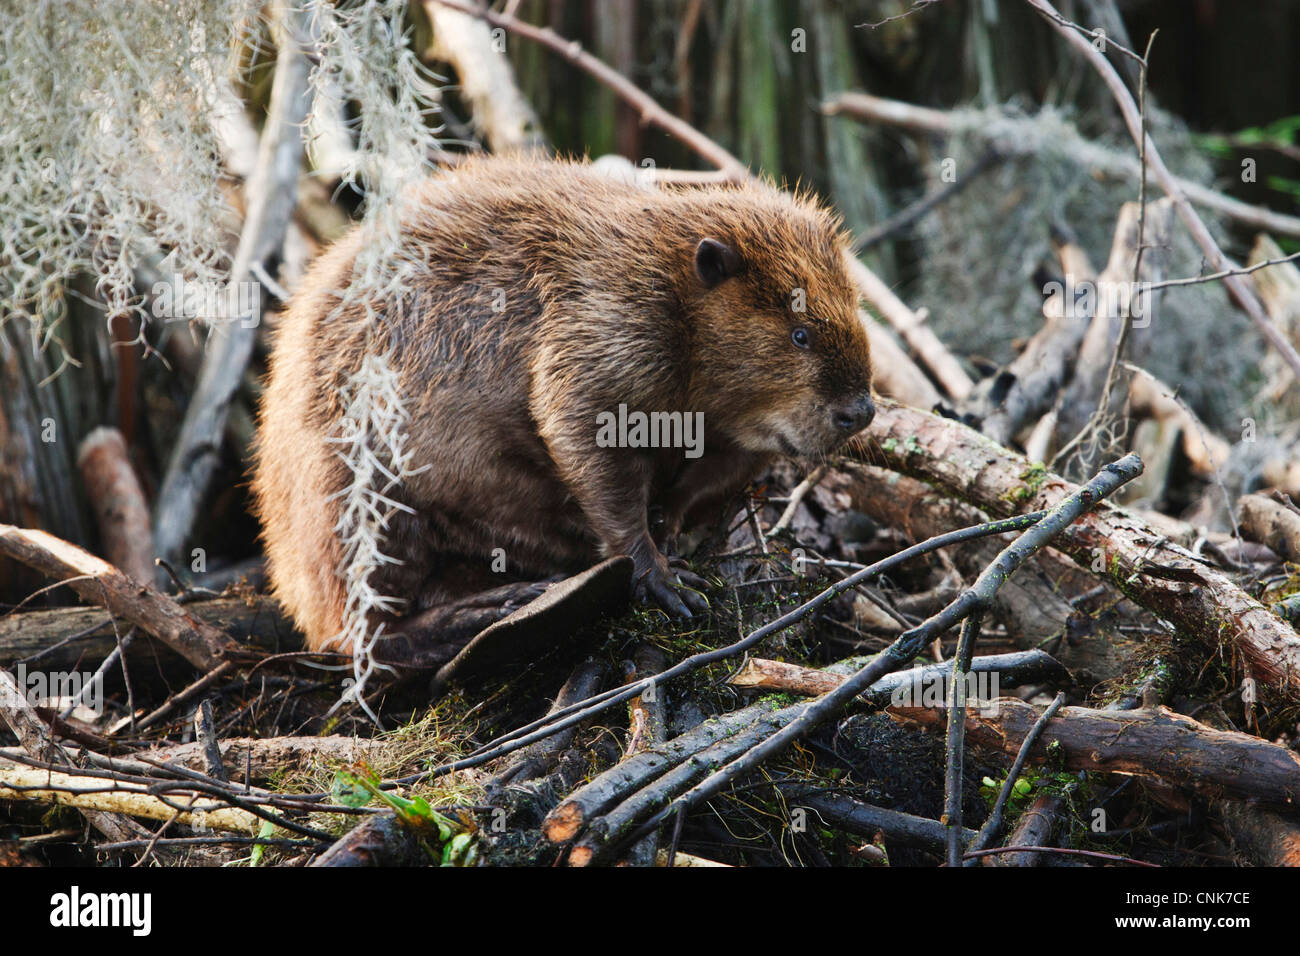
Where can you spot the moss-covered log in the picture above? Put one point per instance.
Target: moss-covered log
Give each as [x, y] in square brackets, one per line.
[1146, 567]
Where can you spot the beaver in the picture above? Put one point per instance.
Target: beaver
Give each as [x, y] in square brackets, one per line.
[552, 313]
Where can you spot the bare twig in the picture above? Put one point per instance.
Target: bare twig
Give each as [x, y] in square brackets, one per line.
[651, 112]
[952, 816]
[1238, 290]
[916, 7]
[1216, 276]
[175, 700]
[917, 210]
[1094, 35]
[1063, 851]
[989, 832]
[796, 496]
[908, 645]
[582, 710]
[869, 108]
[1126, 325]
[205, 731]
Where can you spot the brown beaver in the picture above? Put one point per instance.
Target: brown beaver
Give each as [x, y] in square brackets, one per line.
[552, 304]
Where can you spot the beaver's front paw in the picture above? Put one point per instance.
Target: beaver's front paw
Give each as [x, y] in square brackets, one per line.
[674, 589]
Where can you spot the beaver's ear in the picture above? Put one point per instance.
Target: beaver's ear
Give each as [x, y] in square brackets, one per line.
[716, 261]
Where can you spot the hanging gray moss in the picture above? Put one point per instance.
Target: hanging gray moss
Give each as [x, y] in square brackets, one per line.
[982, 246]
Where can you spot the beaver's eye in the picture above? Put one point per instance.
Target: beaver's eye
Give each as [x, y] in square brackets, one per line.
[801, 338]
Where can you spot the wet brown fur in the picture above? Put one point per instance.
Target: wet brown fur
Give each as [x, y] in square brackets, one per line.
[603, 305]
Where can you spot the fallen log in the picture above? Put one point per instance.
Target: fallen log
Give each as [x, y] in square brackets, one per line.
[97, 581]
[1109, 541]
[1156, 743]
[1267, 522]
[96, 794]
[1034, 828]
[1034, 606]
[62, 638]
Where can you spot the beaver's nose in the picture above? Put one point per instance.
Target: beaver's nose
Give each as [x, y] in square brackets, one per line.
[854, 416]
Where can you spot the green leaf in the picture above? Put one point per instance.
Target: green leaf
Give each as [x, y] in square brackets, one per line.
[267, 828]
[350, 790]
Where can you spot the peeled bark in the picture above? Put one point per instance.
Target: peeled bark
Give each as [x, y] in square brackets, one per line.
[118, 502]
[1270, 523]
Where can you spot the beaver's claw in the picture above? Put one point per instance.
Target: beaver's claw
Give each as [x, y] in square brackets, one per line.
[674, 589]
